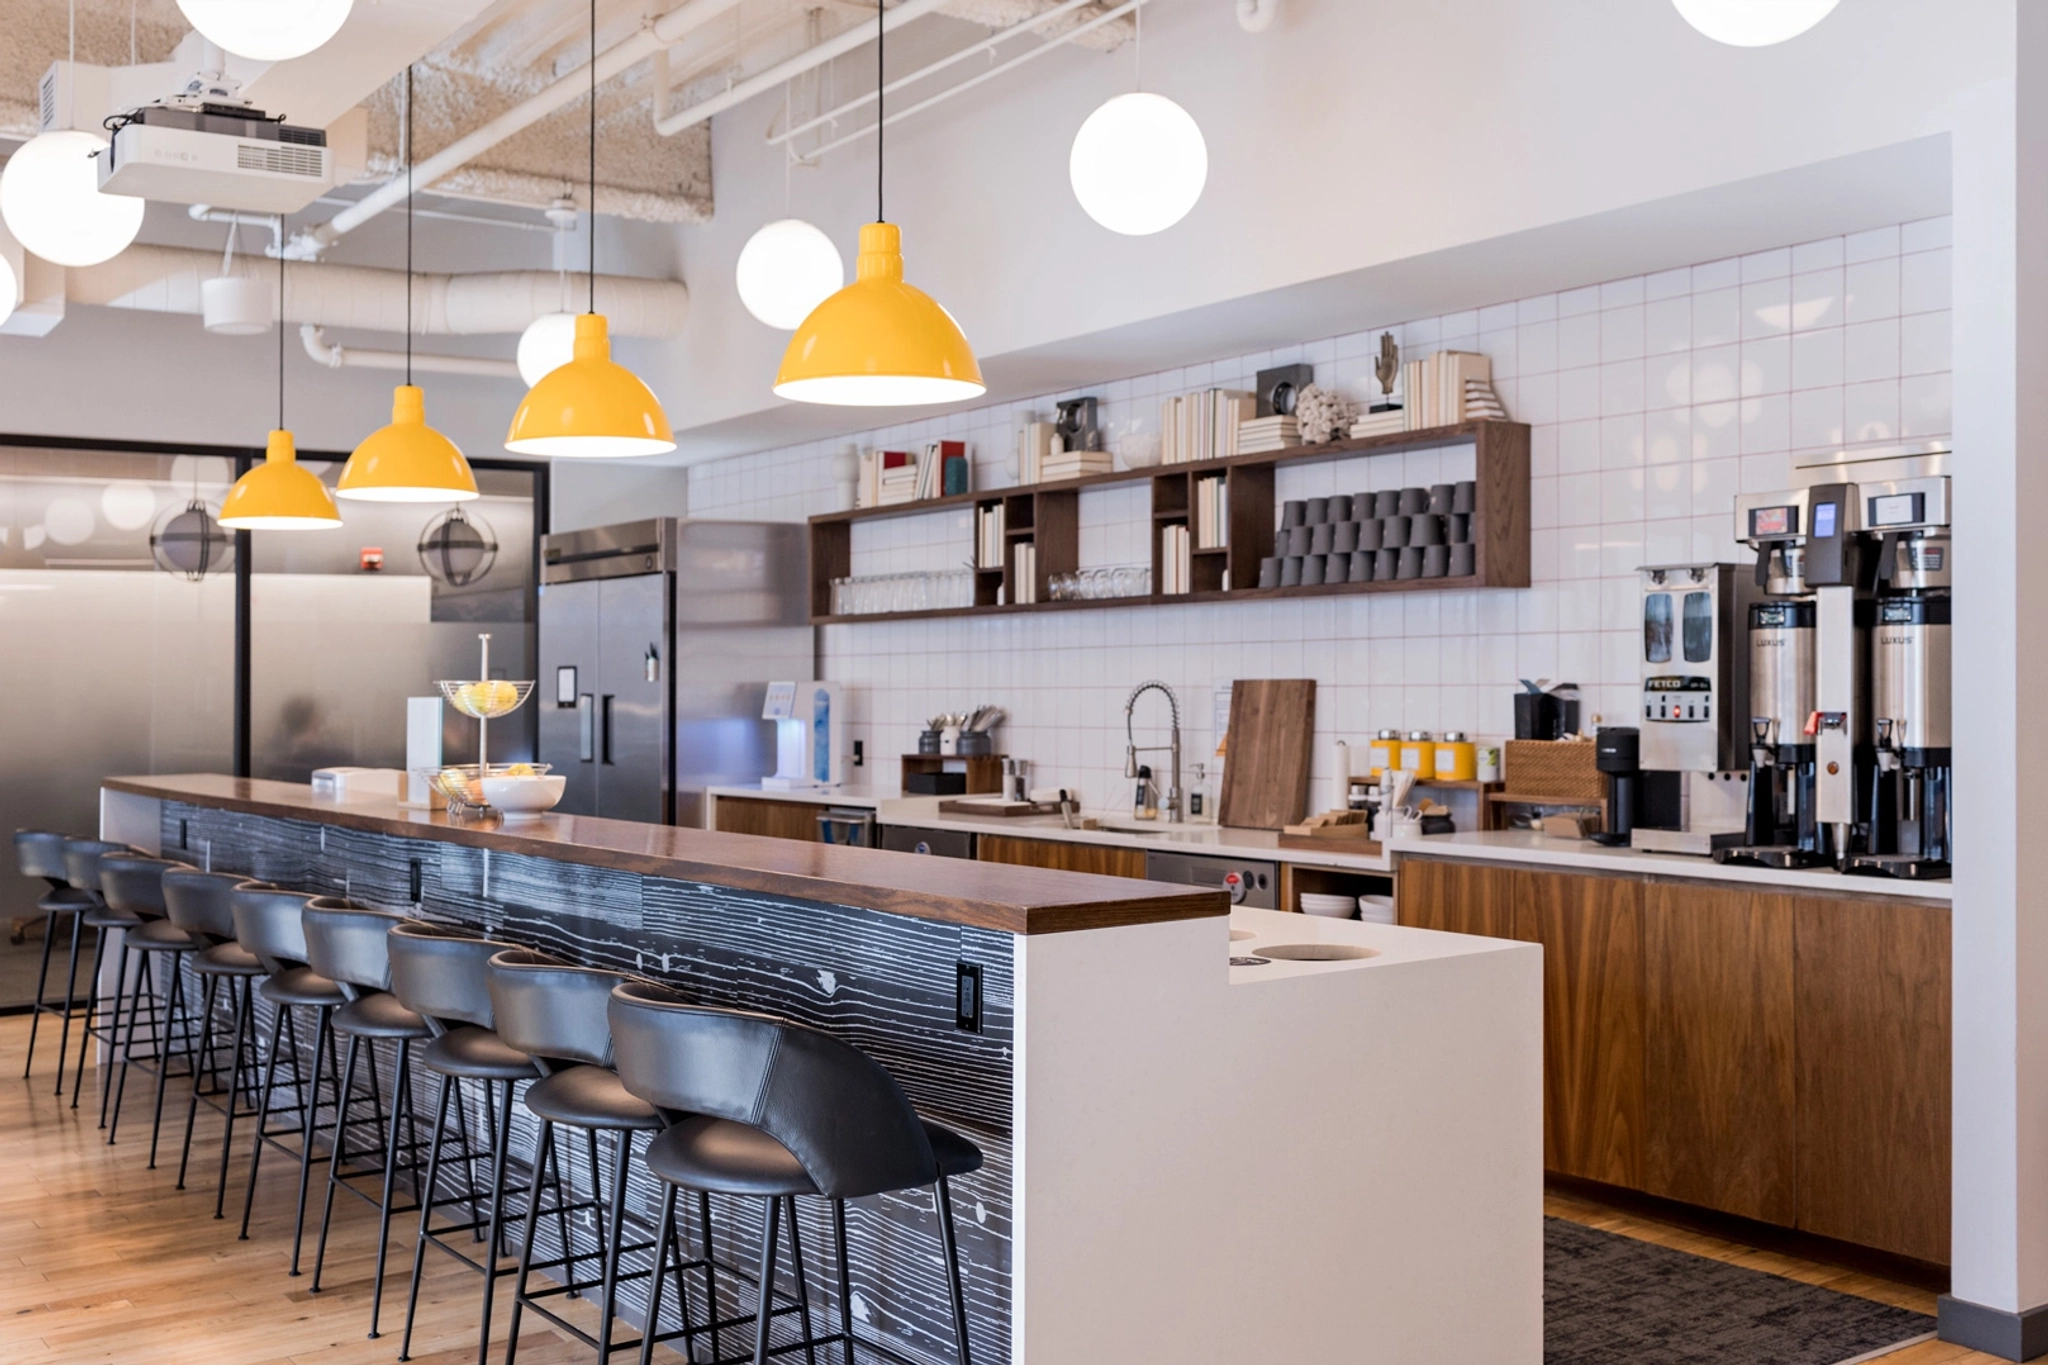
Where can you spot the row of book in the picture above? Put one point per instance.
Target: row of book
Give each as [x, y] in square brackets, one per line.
[1176, 568]
[988, 537]
[1438, 387]
[1212, 513]
[1203, 426]
[888, 478]
[1263, 434]
[1024, 571]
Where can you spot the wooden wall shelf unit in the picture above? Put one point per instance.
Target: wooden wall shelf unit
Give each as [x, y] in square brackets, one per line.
[1048, 516]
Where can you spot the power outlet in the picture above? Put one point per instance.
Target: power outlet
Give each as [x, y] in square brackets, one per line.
[413, 880]
[967, 998]
[860, 758]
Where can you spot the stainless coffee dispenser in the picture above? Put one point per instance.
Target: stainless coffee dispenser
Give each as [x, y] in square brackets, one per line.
[1781, 830]
[1911, 825]
[1695, 685]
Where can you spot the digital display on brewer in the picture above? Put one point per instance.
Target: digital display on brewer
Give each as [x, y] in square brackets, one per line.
[1824, 520]
[1773, 521]
[1897, 509]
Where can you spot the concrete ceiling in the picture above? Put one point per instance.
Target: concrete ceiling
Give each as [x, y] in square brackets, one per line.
[509, 50]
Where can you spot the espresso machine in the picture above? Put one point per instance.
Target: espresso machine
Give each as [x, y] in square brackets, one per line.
[1911, 823]
[1695, 680]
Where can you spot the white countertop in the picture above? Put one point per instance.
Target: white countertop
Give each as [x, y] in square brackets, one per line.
[863, 797]
[1504, 846]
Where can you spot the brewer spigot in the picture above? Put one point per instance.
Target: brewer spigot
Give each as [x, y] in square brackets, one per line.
[1888, 756]
[1762, 751]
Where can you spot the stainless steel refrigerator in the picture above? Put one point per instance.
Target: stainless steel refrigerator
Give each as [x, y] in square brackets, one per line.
[657, 642]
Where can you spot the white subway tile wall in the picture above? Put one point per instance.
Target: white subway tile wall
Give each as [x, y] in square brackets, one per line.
[1652, 401]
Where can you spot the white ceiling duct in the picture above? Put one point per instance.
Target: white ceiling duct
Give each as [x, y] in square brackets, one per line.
[162, 279]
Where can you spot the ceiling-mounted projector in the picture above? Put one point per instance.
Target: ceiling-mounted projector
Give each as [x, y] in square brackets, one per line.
[228, 156]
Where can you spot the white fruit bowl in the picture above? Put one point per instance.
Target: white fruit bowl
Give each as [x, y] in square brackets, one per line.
[524, 798]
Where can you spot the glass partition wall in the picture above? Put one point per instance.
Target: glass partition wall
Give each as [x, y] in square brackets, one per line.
[118, 634]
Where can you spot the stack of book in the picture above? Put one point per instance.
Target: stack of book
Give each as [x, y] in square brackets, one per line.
[1175, 570]
[1482, 404]
[892, 477]
[1212, 513]
[898, 480]
[1202, 426]
[1436, 387]
[1379, 423]
[1261, 434]
[988, 537]
[1024, 571]
[1034, 443]
[1072, 464]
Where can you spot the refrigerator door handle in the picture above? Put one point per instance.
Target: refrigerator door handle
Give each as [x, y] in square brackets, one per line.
[586, 727]
[607, 728]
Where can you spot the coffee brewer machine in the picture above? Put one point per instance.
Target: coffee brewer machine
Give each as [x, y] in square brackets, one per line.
[1849, 694]
[1911, 826]
[1694, 679]
[1782, 830]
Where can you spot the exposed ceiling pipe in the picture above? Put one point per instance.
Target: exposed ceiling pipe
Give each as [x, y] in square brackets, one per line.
[985, 74]
[163, 279]
[652, 38]
[988, 44]
[358, 358]
[668, 125]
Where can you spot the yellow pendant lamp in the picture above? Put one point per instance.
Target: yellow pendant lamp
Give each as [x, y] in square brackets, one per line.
[407, 461]
[279, 494]
[593, 407]
[879, 342]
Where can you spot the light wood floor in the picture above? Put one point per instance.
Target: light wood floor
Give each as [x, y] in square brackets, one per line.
[102, 1259]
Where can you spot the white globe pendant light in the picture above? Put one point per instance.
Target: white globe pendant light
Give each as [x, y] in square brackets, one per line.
[9, 287]
[1753, 23]
[50, 197]
[1139, 164]
[785, 270]
[548, 343]
[267, 30]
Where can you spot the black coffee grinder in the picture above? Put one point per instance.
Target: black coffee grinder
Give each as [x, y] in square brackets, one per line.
[1617, 752]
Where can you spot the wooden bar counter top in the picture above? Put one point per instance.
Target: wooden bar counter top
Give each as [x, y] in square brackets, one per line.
[1017, 900]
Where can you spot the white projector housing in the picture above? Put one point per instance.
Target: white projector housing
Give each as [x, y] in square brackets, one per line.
[190, 166]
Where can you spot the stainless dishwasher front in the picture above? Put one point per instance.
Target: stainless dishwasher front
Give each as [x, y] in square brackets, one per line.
[1248, 881]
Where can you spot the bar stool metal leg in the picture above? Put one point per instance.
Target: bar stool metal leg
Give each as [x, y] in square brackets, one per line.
[92, 1009]
[145, 981]
[35, 1014]
[951, 1246]
[543, 1138]
[70, 996]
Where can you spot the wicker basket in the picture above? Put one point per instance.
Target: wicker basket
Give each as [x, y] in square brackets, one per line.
[1562, 768]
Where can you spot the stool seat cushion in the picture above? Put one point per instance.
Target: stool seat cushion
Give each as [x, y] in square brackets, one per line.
[726, 1158]
[301, 986]
[477, 1054]
[227, 959]
[65, 900]
[160, 936]
[591, 1097]
[379, 1015]
[107, 917]
[955, 1154]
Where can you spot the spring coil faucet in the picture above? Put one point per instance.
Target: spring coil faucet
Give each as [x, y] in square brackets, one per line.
[1174, 800]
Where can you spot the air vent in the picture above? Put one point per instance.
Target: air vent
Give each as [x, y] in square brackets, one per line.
[281, 159]
[49, 100]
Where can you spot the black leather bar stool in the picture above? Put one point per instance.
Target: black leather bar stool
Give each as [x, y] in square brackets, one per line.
[134, 883]
[351, 946]
[558, 1014]
[438, 972]
[40, 853]
[202, 904]
[82, 869]
[270, 923]
[761, 1108]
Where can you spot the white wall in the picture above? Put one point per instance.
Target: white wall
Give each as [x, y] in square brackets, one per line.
[1349, 135]
[1653, 402]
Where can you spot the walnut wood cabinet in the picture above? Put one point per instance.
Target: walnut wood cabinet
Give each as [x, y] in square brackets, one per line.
[1781, 1057]
[1101, 859]
[775, 819]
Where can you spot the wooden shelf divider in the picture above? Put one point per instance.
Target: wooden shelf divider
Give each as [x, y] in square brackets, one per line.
[1048, 517]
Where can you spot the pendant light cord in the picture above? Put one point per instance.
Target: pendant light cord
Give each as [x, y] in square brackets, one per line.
[593, 157]
[881, 43]
[280, 322]
[408, 225]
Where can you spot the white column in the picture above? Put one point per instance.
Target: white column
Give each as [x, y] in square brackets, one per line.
[1999, 1299]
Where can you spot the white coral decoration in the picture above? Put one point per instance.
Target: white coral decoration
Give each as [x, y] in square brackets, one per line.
[1319, 414]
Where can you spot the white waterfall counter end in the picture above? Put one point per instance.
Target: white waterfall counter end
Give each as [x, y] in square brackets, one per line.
[1284, 1160]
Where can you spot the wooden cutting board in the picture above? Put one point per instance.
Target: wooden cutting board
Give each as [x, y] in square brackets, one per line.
[1265, 767]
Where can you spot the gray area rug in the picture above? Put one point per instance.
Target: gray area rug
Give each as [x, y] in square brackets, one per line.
[1610, 1300]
